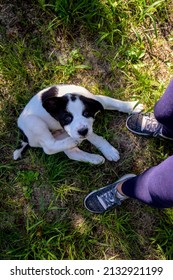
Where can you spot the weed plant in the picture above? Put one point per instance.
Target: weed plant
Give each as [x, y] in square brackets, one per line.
[122, 49]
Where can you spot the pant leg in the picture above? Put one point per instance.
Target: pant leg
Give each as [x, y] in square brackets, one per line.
[154, 186]
[163, 110]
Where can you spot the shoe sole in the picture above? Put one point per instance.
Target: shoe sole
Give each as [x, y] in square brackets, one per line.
[123, 178]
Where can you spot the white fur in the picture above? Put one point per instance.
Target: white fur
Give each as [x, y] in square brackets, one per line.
[41, 128]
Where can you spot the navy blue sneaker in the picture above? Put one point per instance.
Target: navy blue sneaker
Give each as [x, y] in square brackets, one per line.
[101, 200]
[145, 124]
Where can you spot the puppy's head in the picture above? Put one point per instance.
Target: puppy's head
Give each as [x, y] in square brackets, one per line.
[74, 112]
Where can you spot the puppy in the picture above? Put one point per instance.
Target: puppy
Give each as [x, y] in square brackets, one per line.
[59, 118]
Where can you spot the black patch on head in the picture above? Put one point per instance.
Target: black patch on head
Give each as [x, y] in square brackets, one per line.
[65, 118]
[56, 107]
[91, 106]
[52, 92]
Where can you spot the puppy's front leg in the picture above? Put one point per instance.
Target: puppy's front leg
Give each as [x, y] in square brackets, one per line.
[79, 155]
[58, 143]
[104, 146]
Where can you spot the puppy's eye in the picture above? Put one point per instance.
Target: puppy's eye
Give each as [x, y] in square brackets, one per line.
[67, 118]
[86, 114]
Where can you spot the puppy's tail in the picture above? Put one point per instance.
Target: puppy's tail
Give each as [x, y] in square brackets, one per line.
[24, 145]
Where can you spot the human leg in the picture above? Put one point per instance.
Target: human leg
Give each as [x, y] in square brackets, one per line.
[163, 110]
[159, 123]
[154, 186]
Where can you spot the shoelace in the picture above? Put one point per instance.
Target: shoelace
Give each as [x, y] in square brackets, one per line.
[151, 125]
[109, 199]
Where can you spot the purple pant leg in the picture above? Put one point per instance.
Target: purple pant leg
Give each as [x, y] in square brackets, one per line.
[154, 186]
[163, 110]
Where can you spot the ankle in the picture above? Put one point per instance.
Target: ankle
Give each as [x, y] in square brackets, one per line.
[119, 188]
[120, 193]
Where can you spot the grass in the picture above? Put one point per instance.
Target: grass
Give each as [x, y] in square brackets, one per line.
[122, 49]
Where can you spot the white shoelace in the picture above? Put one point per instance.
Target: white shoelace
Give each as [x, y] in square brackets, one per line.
[110, 198]
[151, 125]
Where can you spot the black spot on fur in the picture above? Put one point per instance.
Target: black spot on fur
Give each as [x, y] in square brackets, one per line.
[52, 92]
[24, 149]
[65, 118]
[73, 97]
[23, 137]
[23, 141]
[91, 106]
[55, 106]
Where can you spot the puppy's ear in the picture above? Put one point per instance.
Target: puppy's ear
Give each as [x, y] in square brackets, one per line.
[97, 107]
[52, 103]
[92, 105]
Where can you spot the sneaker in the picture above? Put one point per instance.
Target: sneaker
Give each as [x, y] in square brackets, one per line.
[145, 125]
[101, 200]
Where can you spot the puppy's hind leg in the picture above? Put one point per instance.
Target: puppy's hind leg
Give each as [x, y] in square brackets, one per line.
[109, 103]
[22, 147]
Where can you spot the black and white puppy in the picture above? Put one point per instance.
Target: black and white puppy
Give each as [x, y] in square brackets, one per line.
[60, 117]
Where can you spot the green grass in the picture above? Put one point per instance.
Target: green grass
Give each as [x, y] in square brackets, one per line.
[122, 49]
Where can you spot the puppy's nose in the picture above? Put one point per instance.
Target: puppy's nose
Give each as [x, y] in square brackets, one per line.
[83, 131]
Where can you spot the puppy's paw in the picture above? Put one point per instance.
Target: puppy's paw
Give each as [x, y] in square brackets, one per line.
[17, 154]
[96, 159]
[137, 107]
[110, 153]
